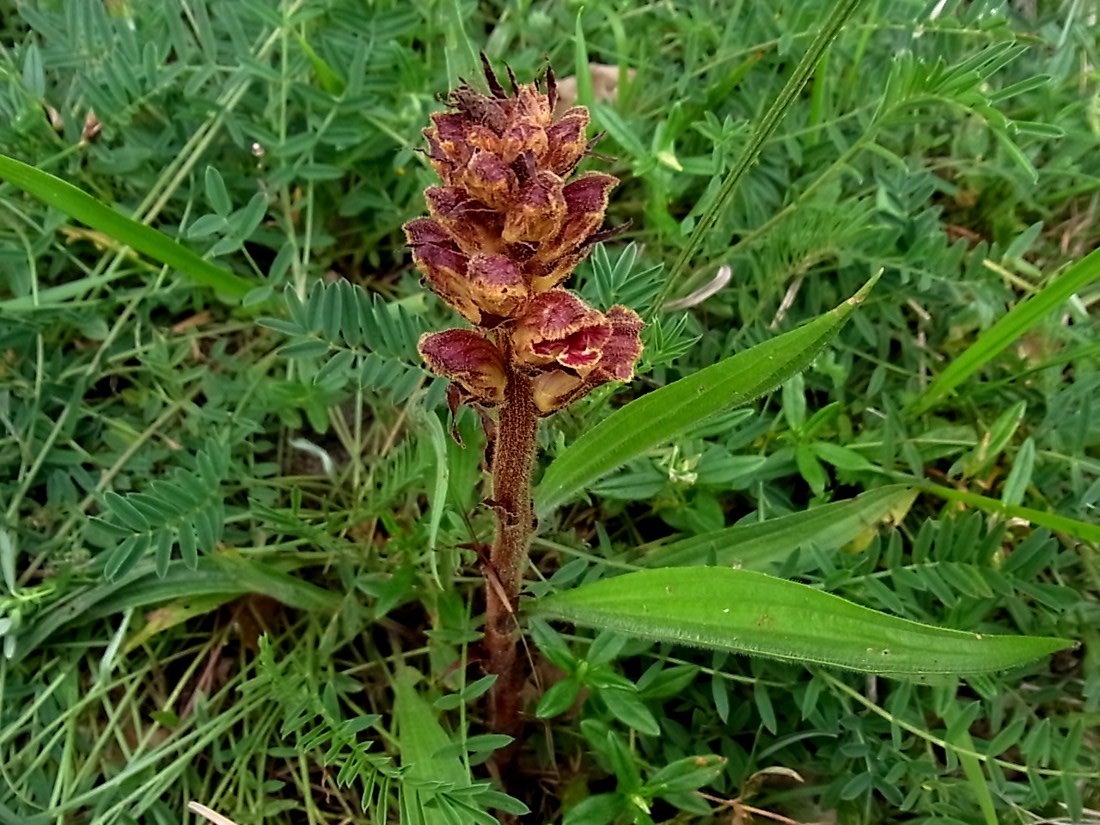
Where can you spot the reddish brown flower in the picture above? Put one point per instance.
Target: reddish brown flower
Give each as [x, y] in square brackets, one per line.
[554, 389]
[624, 346]
[560, 327]
[497, 284]
[507, 228]
[504, 163]
[537, 211]
[443, 265]
[472, 226]
[557, 389]
[469, 359]
[566, 144]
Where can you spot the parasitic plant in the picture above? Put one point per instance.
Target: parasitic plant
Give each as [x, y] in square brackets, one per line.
[506, 229]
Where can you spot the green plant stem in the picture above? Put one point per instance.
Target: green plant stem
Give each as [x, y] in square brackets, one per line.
[764, 129]
[513, 459]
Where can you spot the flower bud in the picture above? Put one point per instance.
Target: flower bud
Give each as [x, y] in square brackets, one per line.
[497, 284]
[565, 140]
[537, 210]
[443, 266]
[488, 179]
[556, 389]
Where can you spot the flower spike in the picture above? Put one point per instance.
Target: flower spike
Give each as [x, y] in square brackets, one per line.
[507, 228]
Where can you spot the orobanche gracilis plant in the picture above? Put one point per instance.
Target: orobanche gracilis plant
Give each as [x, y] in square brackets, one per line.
[507, 229]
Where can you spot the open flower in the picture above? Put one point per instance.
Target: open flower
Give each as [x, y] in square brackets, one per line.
[558, 327]
[470, 360]
[615, 358]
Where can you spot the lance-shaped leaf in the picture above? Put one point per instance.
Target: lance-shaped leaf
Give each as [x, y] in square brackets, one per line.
[760, 544]
[660, 416]
[81, 206]
[748, 612]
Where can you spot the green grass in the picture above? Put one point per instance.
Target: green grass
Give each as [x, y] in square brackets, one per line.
[236, 547]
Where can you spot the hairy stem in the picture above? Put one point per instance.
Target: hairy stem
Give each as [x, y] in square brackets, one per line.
[513, 460]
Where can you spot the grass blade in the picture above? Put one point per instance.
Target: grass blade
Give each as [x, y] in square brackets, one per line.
[661, 415]
[141, 587]
[81, 206]
[764, 129]
[1063, 524]
[758, 546]
[1019, 320]
[749, 612]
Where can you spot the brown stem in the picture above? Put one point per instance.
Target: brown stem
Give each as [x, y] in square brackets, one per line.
[513, 460]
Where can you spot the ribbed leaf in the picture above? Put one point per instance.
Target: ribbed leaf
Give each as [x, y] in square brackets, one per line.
[748, 612]
[81, 206]
[760, 544]
[660, 416]
[1086, 531]
[140, 586]
[421, 739]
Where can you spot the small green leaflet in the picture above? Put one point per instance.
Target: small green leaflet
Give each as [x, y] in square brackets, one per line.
[663, 414]
[749, 612]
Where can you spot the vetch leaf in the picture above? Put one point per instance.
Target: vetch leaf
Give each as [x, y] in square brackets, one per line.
[34, 75]
[601, 809]
[7, 560]
[1020, 474]
[685, 775]
[749, 612]
[558, 698]
[216, 193]
[630, 710]
[663, 414]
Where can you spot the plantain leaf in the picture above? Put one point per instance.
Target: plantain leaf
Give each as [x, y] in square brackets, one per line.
[749, 612]
[81, 206]
[421, 739]
[663, 414]
[759, 545]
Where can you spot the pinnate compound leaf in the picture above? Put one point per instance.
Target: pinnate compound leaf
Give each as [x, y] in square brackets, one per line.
[663, 414]
[749, 612]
